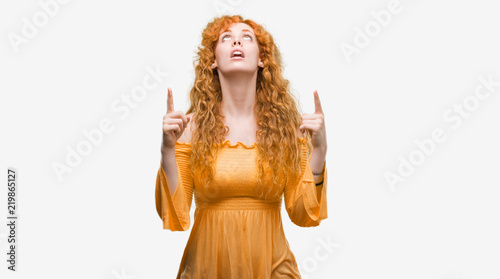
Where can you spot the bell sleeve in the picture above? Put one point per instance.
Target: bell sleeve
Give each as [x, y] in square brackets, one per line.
[174, 209]
[305, 202]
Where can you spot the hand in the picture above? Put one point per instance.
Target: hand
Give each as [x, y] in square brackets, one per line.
[174, 123]
[315, 124]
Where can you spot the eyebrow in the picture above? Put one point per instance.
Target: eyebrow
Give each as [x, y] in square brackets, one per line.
[227, 30]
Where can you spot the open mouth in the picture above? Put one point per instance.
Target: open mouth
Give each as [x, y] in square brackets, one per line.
[237, 54]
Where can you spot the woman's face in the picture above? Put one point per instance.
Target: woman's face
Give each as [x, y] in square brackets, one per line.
[240, 36]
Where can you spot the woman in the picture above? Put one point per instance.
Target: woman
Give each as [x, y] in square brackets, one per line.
[242, 145]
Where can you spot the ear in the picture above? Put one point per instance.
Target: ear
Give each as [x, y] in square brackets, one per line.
[261, 64]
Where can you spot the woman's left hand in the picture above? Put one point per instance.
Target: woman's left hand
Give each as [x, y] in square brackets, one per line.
[315, 124]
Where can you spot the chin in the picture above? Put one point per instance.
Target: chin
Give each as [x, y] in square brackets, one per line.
[231, 70]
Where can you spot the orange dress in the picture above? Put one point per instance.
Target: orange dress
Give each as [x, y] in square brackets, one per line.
[235, 233]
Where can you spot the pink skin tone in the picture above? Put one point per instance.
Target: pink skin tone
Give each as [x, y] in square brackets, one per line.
[238, 76]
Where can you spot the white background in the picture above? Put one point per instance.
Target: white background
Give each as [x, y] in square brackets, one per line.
[100, 221]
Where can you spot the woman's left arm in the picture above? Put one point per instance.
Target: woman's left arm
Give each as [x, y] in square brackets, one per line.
[305, 202]
[315, 124]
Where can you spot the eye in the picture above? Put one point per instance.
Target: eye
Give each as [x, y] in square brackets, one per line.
[228, 35]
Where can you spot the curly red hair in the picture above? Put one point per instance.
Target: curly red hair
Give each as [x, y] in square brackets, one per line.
[276, 109]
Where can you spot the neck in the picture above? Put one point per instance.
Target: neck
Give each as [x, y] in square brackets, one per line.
[238, 95]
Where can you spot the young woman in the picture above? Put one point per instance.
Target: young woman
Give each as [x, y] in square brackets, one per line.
[240, 148]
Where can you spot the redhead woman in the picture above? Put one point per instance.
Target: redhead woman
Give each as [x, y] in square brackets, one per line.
[240, 150]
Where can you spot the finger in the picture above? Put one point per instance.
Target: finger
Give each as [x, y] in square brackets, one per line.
[310, 127]
[170, 101]
[317, 103]
[182, 116]
[174, 120]
[173, 127]
[184, 119]
[302, 128]
[311, 123]
[309, 117]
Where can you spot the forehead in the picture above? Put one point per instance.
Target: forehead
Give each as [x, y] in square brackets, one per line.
[238, 27]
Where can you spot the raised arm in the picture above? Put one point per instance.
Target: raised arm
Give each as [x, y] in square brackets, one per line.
[306, 203]
[174, 181]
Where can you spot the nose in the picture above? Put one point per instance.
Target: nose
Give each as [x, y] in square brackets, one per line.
[237, 42]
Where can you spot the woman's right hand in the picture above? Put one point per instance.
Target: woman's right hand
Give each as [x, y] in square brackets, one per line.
[174, 123]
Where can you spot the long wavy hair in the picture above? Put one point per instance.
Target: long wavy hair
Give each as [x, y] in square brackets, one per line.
[276, 109]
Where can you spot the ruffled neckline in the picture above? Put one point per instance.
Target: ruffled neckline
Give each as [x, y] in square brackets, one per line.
[228, 143]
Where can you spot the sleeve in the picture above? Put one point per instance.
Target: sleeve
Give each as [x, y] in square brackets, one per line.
[305, 202]
[174, 209]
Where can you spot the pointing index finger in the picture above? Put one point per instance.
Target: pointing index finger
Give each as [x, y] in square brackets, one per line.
[170, 101]
[317, 102]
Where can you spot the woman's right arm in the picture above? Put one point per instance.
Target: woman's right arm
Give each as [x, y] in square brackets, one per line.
[173, 204]
[174, 124]
[169, 165]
